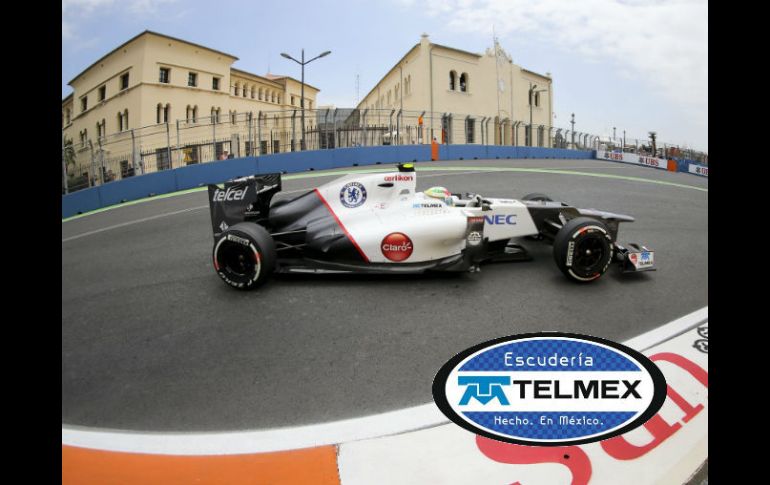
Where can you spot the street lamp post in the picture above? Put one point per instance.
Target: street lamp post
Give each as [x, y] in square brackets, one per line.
[302, 86]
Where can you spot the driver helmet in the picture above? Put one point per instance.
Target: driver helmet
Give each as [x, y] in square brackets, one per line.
[440, 193]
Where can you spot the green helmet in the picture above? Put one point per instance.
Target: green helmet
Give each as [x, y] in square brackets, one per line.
[440, 193]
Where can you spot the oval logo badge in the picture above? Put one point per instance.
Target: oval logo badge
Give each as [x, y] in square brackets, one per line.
[549, 389]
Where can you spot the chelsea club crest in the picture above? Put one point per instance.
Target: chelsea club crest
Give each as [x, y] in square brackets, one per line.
[353, 194]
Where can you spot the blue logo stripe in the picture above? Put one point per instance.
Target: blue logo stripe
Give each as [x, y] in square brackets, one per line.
[549, 425]
[550, 355]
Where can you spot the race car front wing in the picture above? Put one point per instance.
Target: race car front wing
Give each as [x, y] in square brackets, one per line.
[634, 258]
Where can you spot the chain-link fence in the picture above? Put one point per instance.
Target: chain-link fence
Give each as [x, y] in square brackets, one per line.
[201, 140]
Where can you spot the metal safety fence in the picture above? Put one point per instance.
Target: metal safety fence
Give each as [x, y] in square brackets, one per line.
[175, 144]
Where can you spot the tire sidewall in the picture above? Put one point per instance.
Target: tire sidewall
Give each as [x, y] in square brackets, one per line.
[569, 238]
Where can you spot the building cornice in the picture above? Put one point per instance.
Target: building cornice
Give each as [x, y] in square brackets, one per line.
[149, 32]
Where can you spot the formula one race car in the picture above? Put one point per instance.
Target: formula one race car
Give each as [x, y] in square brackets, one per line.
[378, 223]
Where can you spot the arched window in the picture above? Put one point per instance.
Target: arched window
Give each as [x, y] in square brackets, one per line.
[272, 96]
[452, 80]
[195, 114]
[233, 117]
[188, 113]
[253, 88]
[213, 115]
[278, 98]
[68, 116]
[260, 94]
[237, 89]
[125, 119]
[167, 113]
[245, 91]
[537, 99]
[464, 82]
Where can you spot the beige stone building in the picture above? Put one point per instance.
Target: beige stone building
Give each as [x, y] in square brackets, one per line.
[157, 102]
[153, 99]
[486, 97]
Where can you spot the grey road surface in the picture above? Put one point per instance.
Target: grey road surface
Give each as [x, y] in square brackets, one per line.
[153, 340]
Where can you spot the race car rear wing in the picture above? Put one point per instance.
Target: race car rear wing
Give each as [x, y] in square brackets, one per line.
[242, 199]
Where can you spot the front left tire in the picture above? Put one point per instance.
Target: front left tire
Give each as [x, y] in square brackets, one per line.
[537, 197]
[583, 249]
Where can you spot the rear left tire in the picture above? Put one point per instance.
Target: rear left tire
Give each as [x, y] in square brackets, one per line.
[244, 255]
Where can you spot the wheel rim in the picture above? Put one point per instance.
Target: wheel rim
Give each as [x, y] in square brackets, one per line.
[589, 253]
[238, 260]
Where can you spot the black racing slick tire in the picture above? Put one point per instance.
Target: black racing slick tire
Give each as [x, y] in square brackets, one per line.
[583, 249]
[244, 255]
[537, 197]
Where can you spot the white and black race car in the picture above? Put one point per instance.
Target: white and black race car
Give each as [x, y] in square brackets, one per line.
[379, 223]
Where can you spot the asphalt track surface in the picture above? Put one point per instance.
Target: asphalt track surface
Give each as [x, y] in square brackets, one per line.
[152, 340]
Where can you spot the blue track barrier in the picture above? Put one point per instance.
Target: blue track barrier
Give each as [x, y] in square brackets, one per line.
[196, 175]
[192, 176]
[81, 201]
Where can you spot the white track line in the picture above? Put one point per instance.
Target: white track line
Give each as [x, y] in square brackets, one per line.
[129, 223]
[670, 330]
[292, 438]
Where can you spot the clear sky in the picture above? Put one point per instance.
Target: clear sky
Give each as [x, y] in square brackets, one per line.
[637, 65]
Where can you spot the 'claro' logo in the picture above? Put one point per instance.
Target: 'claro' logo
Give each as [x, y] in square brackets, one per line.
[549, 389]
[397, 246]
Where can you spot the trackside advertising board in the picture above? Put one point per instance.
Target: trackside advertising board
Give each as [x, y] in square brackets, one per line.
[698, 169]
[632, 158]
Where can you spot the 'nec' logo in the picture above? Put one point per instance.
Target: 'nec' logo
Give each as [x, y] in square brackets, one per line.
[484, 388]
[501, 219]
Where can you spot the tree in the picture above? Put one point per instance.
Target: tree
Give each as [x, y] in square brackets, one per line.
[653, 136]
[68, 153]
